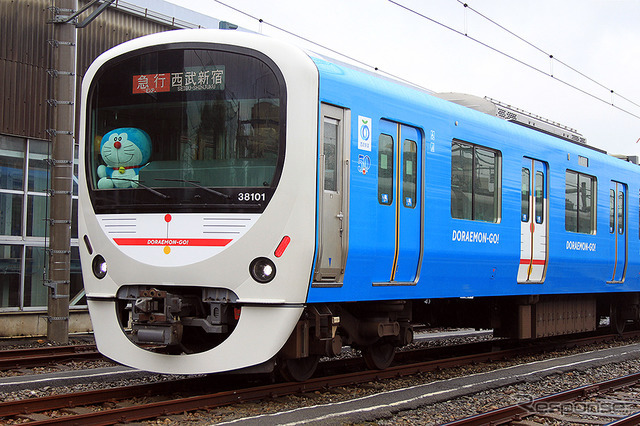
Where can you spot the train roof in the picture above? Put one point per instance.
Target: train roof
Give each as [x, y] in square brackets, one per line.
[486, 105]
[515, 115]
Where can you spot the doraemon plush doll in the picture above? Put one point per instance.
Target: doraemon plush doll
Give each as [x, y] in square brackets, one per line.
[124, 151]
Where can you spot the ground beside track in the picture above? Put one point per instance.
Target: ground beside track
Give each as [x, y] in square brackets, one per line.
[386, 405]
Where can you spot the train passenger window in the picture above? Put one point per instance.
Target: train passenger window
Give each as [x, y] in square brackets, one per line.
[409, 173]
[539, 197]
[525, 193]
[385, 169]
[330, 158]
[461, 180]
[476, 182]
[580, 203]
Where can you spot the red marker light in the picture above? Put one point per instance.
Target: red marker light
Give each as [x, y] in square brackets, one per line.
[282, 246]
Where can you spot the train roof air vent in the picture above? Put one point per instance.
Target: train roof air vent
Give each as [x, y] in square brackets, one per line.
[515, 115]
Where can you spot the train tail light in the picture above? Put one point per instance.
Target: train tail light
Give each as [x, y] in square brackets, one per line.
[282, 246]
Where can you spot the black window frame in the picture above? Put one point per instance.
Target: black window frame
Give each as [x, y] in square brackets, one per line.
[386, 174]
[458, 202]
[575, 204]
[140, 200]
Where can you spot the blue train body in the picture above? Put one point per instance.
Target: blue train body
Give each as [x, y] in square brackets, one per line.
[468, 258]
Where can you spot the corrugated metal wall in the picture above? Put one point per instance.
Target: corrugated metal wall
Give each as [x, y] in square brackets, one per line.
[25, 57]
[110, 29]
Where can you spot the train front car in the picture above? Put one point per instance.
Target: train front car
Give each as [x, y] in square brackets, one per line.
[197, 229]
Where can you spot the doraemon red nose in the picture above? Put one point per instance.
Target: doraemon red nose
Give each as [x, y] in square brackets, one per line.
[117, 145]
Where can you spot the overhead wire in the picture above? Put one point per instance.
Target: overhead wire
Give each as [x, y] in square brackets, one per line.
[552, 57]
[333, 51]
[463, 34]
[522, 62]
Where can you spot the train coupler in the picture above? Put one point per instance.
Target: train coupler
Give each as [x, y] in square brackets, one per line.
[154, 317]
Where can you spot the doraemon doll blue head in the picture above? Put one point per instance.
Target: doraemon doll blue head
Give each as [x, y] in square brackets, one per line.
[124, 151]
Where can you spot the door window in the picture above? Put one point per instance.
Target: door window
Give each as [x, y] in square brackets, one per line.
[539, 197]
[330, 157]
[409, 173]
[385, 169]
[525, 194]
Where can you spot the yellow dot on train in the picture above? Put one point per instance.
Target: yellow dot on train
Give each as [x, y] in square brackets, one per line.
[167, 249]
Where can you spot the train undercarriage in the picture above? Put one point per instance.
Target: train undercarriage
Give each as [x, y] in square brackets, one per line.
[377, 328]
[192, 320]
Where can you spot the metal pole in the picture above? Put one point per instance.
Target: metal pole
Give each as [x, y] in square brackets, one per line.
[62, 109]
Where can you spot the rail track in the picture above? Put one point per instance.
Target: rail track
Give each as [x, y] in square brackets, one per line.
[612, 402]
[34, 357]
[136, 403]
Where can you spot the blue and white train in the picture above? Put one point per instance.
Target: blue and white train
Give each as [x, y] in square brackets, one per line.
[246, 205]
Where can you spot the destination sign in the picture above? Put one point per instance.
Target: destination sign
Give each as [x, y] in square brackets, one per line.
[189, 80]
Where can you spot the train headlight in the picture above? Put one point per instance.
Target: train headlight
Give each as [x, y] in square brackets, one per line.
[262, 270]
[99, 267]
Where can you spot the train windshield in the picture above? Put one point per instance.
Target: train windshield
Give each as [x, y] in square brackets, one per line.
[185, 129]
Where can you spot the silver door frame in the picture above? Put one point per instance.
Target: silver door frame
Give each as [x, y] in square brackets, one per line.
[333, 276]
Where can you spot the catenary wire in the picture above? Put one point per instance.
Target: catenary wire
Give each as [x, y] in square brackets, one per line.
[364, 64]
[580, 73]
[573, 86]
[532, 67]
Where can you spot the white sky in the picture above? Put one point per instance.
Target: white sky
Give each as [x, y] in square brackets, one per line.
[599, 38]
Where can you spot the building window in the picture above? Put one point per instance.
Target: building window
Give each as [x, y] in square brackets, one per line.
[580, 202]
[10, 267]
[24, 208]
[476, 182]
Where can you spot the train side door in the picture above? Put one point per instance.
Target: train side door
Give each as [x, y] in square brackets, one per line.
[618, 230]
[333, 188]
[534, 249]
[400, 161]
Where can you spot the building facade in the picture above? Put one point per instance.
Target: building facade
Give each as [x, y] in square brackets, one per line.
[26, 76]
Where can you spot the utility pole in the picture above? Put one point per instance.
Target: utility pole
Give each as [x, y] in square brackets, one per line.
[64, 14]
[62, 118]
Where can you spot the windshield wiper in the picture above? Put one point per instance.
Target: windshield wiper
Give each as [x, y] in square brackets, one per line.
[197, 185]
[153, 191]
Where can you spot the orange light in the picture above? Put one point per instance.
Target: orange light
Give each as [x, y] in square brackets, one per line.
[282, 246]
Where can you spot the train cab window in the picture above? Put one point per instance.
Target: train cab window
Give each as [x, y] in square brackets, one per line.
[476, 182]
[580, 203]
[525, 193]
[385, 169]
[206, 128]
[409, 173]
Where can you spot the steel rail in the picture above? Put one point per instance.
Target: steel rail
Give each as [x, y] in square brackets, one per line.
[221, 398]
[31, 357]
[520, 411]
